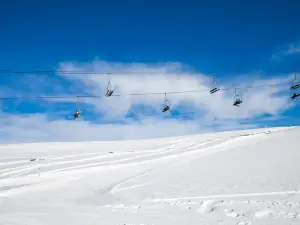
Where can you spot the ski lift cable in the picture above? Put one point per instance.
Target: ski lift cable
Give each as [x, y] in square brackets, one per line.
[132, 94]
[70, 72]
[45, 72]
[34, 72]
[78, 72]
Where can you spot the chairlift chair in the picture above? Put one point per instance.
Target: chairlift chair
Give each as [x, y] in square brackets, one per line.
[215, 88]
[237, 101]
[293, 87]
[166, 108]
[167, 105]
[77, 114]
[78, 111]
[109, 91]
[295, 95]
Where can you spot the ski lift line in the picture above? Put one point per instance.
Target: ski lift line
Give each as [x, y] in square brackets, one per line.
[50, 72]
[195, 91]
[50, 97]
[132, 94]
[78, 73]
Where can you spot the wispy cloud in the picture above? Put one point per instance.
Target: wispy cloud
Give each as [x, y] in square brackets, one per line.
[293, 49]
[287, 50]
[139, 116]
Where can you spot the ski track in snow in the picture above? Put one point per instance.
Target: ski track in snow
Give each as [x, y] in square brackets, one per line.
[137, 183]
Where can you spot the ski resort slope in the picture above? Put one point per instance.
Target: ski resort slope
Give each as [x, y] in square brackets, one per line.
[240, 177]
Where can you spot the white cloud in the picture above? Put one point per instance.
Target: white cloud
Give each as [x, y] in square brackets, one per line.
[150, 79]
[203, 108]
[36, 128]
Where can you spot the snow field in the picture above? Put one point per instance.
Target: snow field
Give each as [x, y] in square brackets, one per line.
[240, 177]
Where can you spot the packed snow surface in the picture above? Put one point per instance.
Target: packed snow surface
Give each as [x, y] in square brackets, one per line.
[240, 177]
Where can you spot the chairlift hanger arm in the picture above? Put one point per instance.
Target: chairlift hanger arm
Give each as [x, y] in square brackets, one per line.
[214, 78]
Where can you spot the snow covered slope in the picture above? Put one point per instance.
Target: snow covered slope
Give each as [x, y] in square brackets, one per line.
[241, 177]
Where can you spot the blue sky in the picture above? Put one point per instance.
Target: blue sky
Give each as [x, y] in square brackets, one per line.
[240, 41]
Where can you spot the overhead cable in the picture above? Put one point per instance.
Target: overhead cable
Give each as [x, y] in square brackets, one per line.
[133, 94]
